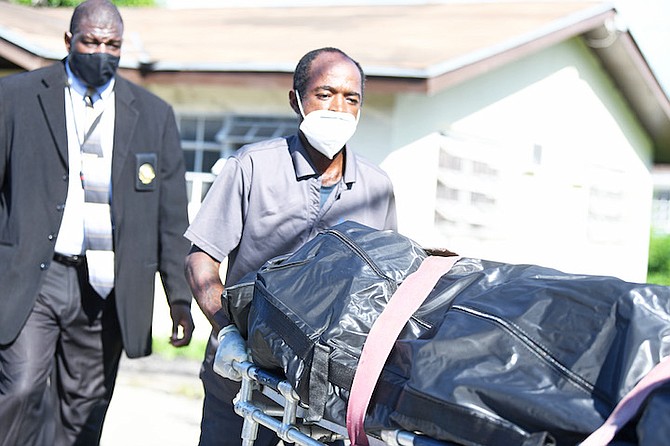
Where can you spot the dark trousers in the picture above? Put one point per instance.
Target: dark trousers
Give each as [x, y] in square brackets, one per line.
[220, 425]
[57, 377]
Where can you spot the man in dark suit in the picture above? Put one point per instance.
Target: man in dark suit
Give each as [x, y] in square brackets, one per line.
[90, 210]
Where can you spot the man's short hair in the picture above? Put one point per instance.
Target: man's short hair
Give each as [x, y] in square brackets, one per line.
[104, 9]
[302, 70]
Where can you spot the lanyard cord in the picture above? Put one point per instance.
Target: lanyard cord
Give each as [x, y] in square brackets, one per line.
[94, 124]
[89, 132]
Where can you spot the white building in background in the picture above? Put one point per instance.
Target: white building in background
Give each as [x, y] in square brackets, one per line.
[550, 167]
[523, 132]
[660, 217]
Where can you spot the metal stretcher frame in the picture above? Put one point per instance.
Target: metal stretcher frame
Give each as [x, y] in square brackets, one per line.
[285, 418]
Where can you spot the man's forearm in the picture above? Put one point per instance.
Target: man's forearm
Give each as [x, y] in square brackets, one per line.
[202, 274]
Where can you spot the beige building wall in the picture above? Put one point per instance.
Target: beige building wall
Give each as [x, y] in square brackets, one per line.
[538, 162]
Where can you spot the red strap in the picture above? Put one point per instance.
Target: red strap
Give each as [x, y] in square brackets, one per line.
[384, 331]
[629, 405]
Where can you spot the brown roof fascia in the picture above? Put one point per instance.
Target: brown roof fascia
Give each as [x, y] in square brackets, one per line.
[633, 76]
[525, 48]
[426, 83]
[20, 57]
[222, 78]
[376, 84]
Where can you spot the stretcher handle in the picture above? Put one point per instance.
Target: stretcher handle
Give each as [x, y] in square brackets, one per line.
[255, 414]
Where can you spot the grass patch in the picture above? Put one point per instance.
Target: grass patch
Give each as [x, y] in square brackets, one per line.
[195, 350]
[659, 259]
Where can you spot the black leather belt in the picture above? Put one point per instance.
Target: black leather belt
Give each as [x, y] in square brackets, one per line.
[69, 260]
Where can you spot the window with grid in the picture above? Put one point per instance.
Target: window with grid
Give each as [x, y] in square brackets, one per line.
[206, 138]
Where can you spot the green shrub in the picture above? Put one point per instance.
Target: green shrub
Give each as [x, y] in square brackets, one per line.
[70, 3]
[658, 270]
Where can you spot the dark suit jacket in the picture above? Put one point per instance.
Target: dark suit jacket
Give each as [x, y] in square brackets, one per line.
[149, 219]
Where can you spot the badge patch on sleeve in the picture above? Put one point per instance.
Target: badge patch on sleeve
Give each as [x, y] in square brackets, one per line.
[145, 168]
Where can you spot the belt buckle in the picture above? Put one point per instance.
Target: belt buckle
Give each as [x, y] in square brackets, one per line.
[74, 260]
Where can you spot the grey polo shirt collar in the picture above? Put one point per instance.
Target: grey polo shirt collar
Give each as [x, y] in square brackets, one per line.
[305, 169]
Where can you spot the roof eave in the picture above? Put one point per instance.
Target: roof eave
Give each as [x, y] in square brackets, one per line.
[620, 56]
[506, 52]
[623, 61]
[613, 46]
[22, 57]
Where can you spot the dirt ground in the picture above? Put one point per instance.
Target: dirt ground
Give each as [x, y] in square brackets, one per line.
[157, 402]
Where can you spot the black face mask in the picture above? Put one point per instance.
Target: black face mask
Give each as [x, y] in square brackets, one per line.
[95, 69]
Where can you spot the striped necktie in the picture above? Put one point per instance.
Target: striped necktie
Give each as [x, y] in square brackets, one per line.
[96, 178]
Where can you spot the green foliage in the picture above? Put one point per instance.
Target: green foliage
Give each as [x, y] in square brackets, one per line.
[71, 3]
[658, 270]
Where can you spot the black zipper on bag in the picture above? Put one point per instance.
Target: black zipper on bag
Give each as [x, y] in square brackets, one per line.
[540, 351]
[348, 242]
[351, 244]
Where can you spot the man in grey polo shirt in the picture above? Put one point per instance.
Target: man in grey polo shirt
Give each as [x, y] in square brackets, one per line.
[269, 199]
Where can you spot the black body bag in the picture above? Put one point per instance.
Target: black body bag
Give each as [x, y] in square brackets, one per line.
[498, 354]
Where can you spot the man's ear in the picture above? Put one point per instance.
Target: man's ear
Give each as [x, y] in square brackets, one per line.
[293, 101]
[68, 40]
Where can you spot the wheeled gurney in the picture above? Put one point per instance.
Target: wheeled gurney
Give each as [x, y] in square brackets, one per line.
[496, 353]
[286, 418]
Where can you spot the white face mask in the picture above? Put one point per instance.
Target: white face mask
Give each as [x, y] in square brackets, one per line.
[327, 131]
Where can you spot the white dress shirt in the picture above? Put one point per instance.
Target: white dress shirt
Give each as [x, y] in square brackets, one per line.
[70, 239]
